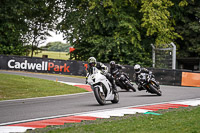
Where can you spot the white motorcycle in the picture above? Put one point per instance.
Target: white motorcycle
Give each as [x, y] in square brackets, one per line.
[101, 87]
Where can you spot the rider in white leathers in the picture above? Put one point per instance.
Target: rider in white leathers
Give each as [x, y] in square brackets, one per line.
[93, 63]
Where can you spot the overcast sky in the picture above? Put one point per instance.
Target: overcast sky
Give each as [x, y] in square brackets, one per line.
[54, 38]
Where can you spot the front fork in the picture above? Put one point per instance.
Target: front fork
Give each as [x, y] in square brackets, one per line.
[98, 86]
[155, 83]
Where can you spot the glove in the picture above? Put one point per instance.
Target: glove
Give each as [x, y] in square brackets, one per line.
[150, 72]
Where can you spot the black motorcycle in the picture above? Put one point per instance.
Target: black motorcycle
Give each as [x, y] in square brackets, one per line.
[122, 80]
[148, 82]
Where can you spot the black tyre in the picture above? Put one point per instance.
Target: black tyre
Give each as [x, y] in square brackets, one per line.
[122, 86]
[116, 98]
[100, 97]
[154, 88]
[130, 86]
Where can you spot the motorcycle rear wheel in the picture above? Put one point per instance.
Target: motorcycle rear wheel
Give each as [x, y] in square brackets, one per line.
[116, 98]
[99, 96]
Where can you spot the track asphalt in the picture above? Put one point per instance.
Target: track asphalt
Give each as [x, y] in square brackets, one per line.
[12, 111]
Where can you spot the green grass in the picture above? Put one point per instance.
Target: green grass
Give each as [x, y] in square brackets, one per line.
[18, 87]
[182, 120]
[61, 75]
[53, 55]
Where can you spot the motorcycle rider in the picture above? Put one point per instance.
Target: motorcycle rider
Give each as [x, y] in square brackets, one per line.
[138, 69]
[93, 63]
[115, 67]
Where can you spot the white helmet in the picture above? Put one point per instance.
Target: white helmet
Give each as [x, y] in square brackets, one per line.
[92, 61]
[137, 68]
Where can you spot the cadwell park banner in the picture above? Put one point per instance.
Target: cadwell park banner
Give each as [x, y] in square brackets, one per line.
[43, 65]
[78, 68]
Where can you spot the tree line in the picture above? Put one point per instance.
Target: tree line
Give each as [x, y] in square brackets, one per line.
[120, 30]
[56, 46]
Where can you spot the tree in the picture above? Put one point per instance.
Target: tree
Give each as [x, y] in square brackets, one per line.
[105, 29]
[187, 18]
[117, 30]
[12, 25]
[24, 22]
[120, 30]
[156, 19]
[40, 20]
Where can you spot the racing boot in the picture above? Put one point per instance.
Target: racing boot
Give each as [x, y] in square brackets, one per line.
[140, 88]
[114, 88]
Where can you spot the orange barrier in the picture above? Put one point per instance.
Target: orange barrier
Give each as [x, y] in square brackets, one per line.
[190, 79]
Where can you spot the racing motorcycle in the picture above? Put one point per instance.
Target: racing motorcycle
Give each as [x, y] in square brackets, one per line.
[101, 87]
[122, 80]
[148, 82]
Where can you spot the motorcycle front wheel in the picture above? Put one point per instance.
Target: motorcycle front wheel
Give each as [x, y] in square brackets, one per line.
[155, 89]
[130, 86]
[122, 85]
[100, 97]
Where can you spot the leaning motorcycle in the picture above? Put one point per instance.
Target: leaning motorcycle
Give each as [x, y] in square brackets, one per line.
[122, 80]
[101, 87]
[148, 82]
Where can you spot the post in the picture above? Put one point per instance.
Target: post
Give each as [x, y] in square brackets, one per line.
[173, 56]
[153, 55]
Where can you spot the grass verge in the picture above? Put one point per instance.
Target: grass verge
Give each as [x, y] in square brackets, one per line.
[181, 120]
[53, 74]
[18, 87]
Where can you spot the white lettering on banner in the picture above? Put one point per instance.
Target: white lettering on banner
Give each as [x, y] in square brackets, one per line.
[38, 66]
[46, 65]
[17, 65]
[31, 66]
[26, 65]
[42, 65]
[9, 62]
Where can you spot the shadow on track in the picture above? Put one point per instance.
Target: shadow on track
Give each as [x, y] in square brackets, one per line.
[125, 91]
[97, 105]
[146, 95]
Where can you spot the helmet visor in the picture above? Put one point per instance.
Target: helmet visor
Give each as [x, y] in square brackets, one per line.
[92, 64]
[137, 70]
[112, 65]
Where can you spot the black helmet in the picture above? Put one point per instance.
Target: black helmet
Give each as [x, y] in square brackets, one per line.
[112, 64]
[92, 62]
[137, 68]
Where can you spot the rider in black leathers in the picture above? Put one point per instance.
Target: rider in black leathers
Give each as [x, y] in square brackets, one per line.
[114, 67]
[115, 70]
[92, 62]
